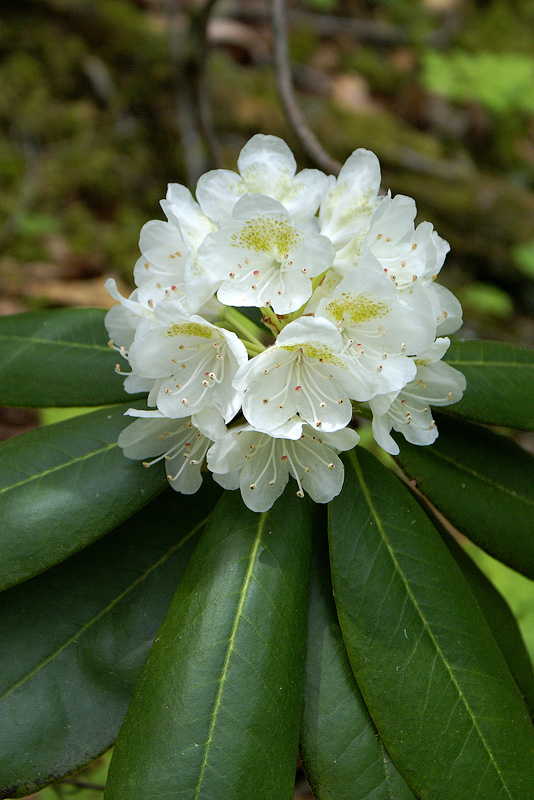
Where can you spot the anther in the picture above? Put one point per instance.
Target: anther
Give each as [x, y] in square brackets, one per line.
[331, 466]
[300, 493]
[265, 400]
[185, 401]
[252, 486]
[150, 303]
[169, 391]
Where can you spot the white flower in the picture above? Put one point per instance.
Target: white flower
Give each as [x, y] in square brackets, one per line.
[266, 166]
[179, 443]
[260, 465]
[412, 257]
[264, 258]
[301, 376]
[192, 361]
[352, 198]
[436, 383]
[169, 252]
[121, 324]
[377, 328]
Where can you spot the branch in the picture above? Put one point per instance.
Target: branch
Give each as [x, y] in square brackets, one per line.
[188, 52]
[295, 116]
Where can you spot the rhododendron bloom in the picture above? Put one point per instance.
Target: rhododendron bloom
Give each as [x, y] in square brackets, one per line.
[341, 312]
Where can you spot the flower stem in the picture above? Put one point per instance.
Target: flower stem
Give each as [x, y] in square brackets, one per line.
[271, 320]
[244, 327]
[253, 349]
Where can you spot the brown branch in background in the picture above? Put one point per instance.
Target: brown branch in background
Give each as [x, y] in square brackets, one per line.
[188, 51]
[296, 118]
[201, 84]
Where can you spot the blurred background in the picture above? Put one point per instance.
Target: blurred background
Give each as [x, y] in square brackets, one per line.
[104, 102]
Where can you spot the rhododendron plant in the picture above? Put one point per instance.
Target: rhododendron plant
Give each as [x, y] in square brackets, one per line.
[288, 337]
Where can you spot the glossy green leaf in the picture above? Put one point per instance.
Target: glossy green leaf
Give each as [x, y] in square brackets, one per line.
[432, 676]
[217, 709]
[58, 358]
[500, 619]
[63, 486]
[483, 483]
[500, 383]
[73, 640]
[342, 752]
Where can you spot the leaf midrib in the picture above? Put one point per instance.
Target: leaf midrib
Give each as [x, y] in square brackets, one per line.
[426, 623]
[482, 478]
[229, 652]
[465, 363]
[107, 608]
[58, 467]
[52, 342]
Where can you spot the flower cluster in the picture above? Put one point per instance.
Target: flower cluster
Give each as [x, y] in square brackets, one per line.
[272, 309]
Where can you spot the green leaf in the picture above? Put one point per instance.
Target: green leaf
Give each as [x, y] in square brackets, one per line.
[73, 641]
[432, 676]
[483, 483]
[342, 752]
[58, 358]
[500, 383]
[499, 617]
[63, 486]
[217, 709]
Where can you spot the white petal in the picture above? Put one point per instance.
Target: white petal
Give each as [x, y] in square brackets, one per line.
[141, 439]
[447, 309]
[217, 192]
[210, 423]
[324, 479]
[350, 203]
[263, 160]
[161, 244]
[381, 431]
[187, 215]
[304, 194]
